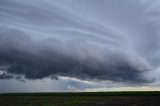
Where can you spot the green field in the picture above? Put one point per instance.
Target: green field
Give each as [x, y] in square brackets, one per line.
[81, 99]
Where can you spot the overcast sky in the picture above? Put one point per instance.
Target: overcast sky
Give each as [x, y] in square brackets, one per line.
[89, 43]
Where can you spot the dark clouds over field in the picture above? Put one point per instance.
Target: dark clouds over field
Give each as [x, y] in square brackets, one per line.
[115, 40]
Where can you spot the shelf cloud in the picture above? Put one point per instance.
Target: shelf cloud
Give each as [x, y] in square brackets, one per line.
[90, 40]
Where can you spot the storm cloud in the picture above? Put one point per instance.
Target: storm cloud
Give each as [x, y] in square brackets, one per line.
[87, 39]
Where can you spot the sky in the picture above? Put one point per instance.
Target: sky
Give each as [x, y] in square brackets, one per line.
[79, 45]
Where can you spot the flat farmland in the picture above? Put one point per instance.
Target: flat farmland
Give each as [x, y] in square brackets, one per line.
[81, 99]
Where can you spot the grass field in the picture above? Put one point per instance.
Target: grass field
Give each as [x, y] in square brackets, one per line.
[81, 99]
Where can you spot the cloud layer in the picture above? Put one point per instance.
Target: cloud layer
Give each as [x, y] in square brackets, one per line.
[93, 40]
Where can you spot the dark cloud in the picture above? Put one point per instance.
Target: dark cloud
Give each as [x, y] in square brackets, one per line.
[47, 38]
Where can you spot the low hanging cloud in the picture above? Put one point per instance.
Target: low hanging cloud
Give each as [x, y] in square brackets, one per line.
[92, 40]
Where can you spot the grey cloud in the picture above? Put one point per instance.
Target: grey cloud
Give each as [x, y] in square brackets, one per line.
[104, 40]
[82, 60]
